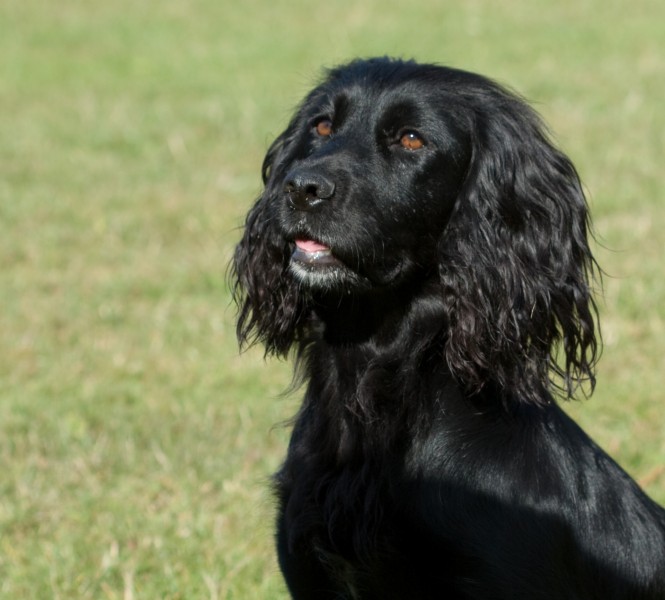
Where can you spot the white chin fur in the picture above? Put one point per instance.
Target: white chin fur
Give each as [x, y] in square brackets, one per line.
[325, 278]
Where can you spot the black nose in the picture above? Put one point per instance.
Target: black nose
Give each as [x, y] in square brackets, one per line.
[306, 190]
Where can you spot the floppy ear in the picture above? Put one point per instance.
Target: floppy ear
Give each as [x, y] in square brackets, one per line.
[270, 309]
[515, 262]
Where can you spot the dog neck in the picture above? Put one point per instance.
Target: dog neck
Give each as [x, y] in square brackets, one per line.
[379, 320]
[369, 352]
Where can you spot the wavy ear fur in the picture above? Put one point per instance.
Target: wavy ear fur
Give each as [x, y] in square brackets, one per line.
[515, 261]
[270, 309]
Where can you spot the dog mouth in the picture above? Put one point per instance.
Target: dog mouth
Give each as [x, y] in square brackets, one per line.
[314, 254]
[315, 265]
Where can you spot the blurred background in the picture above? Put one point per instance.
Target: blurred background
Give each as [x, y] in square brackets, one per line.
[136, 444]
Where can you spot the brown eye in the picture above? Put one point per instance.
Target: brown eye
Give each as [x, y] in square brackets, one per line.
[411, 141]
[324, 127]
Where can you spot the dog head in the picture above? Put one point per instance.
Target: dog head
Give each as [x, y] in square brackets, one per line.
[393, 173]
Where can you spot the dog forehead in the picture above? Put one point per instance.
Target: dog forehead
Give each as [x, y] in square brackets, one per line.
[385, 106]
[378, 76]
[371, 88]
[367, 101]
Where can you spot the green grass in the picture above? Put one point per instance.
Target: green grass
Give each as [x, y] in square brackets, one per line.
[135, 443]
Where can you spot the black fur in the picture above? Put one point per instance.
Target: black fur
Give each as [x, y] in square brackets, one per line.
[430, 459]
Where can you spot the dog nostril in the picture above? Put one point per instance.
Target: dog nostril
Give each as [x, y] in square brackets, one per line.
[305, 191]
[324, 189]
[311, 191]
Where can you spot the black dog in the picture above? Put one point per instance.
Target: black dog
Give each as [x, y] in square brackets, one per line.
[423, 247]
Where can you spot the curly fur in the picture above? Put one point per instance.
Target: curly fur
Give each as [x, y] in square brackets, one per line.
[430, 458]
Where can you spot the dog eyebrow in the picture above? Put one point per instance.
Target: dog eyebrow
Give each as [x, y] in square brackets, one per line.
[341, 107]
[399, 115]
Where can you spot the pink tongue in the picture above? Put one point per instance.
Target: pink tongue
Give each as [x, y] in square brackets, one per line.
[311, 246]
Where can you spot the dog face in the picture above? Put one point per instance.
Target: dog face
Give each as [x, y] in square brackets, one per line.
[366, 179]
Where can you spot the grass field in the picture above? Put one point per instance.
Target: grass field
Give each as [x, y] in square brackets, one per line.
[135, 444]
